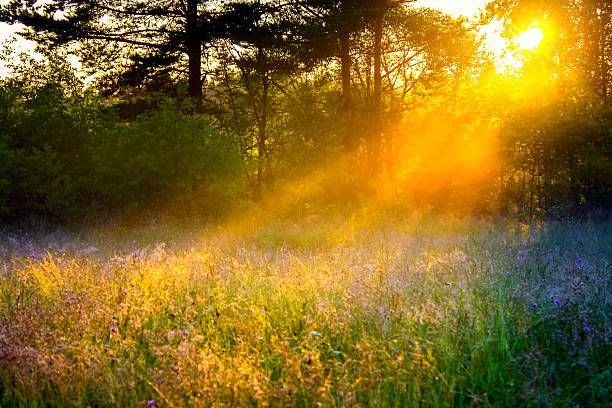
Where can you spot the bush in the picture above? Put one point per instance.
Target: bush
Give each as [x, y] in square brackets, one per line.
[64, 156]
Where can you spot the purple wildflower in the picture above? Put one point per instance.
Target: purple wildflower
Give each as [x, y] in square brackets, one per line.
[447, 283]
[508, 273]
[263, 310]
[522, 254]
[113, 329]
[33, 256]
[587, 328]
[150, 403]
[557, 302]
[534, 305]
[518, 267]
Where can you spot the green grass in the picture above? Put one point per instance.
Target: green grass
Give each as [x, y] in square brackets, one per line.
[343, 312]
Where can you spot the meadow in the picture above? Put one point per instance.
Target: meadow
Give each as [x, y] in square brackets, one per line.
[360, 310]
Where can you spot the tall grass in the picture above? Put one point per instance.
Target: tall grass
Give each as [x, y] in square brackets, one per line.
[340, 312]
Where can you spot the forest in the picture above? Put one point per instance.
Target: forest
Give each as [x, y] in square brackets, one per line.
[306, 203]
[192, 109]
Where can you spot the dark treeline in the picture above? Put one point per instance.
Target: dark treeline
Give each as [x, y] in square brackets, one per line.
[194, 107]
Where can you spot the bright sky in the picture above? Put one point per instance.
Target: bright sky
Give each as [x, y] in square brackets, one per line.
[467, 8]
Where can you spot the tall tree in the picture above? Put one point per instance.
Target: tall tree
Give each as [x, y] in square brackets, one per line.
[260, 50]
[139, 40]
[333, 26]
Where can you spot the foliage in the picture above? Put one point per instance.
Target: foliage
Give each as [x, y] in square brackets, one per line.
[67, 156]
[557, 160]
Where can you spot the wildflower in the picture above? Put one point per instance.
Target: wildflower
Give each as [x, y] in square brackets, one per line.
[522, 254]
[508, 273]
[150, 403]
[33, 256]
[240, 340]
[25, 242]
[263, 310]
[579, 260]
[184, 332]
[20, 250]
[447, 283]
[114, 330]
[534, 305]
[587, 328]
[314, 333]
[557, 302]
[251, 311]
[518, 267]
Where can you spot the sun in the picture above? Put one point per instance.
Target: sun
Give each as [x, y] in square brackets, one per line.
[529, 39]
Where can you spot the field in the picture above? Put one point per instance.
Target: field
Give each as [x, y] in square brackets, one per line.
[364, 310]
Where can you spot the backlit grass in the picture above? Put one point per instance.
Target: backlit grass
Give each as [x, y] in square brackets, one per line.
[417, 312]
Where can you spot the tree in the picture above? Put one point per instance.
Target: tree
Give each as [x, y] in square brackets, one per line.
[138, 40]
[580, 37]
[260, 50]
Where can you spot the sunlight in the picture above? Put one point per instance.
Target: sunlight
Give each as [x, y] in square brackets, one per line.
[529, 39]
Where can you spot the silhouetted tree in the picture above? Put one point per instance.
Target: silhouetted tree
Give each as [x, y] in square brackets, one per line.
[139, 40]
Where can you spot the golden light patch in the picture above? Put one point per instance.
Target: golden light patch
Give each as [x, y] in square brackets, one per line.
[530, 39]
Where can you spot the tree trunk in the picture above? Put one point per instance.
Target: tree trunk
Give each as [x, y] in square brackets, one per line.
[350, 142]
[376, 133]
[263, 167]
[194, 54]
